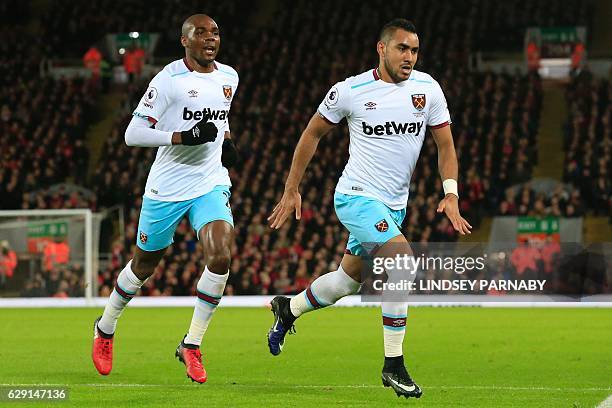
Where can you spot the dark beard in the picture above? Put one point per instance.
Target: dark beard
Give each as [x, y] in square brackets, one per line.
[392, 73]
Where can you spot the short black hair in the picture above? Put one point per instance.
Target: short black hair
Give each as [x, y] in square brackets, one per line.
[397, 23]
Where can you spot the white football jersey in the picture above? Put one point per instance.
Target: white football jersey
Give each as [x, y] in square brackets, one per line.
[387, 125]
[177, 99]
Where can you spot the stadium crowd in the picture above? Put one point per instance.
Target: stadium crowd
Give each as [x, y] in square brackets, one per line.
[86, 23]
[561, 203]
[61, 282]
[588, 141]
[43, 123]
[484, 24]
[495, 120]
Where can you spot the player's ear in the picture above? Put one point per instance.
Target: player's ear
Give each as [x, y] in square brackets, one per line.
[184, 41]
[380, 48]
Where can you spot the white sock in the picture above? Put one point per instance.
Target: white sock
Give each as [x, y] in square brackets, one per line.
[394, 316]
[394, 313]
[210, 291]
[324, 291]
[125, 288]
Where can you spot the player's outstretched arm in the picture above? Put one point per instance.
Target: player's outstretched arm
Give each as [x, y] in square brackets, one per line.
[449, 170]
[306, 147]
[139, 133]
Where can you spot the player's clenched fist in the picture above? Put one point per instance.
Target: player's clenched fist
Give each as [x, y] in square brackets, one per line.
[291, 200]
[203, 132]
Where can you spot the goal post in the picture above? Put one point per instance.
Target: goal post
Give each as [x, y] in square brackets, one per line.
[49, 245]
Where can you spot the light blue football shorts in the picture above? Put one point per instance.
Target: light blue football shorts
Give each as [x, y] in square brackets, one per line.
[370, 222]
[159, 219]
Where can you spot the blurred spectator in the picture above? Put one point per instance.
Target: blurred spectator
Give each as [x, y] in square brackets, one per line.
[92, 61]
[34, 287]
[550, 251]
[533, 56]
[578, 57]
[55, 253]
[524, 258]
[8, 262]
[133, 61]
[81, 162]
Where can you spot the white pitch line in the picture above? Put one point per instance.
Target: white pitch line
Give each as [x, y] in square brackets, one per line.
[607, 403]
[453, 387]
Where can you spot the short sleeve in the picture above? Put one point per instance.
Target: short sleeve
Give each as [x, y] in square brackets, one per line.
[438, 112]
[336, 104]
[156, 99]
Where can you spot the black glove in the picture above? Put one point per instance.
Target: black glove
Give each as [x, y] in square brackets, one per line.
[229, 155]
[203, 132]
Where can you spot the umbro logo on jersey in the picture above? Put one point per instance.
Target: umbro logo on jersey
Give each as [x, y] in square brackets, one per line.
[193, 93]
[392, 128]
[370, 105]
[199, 115]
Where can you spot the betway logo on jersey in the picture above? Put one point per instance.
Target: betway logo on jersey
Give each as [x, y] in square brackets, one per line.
[218, 114]
[392, 128]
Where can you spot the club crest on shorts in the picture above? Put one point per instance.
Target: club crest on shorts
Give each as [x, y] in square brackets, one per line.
[143, 237]
[382, 225]
[418, 101]
[227, 91]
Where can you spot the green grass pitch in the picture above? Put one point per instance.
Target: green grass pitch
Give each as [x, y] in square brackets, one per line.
[461, 357]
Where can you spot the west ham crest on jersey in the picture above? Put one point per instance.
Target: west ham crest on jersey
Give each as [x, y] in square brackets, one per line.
[143, 237]
[418, 100]
[227, 91]
[382, 225]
